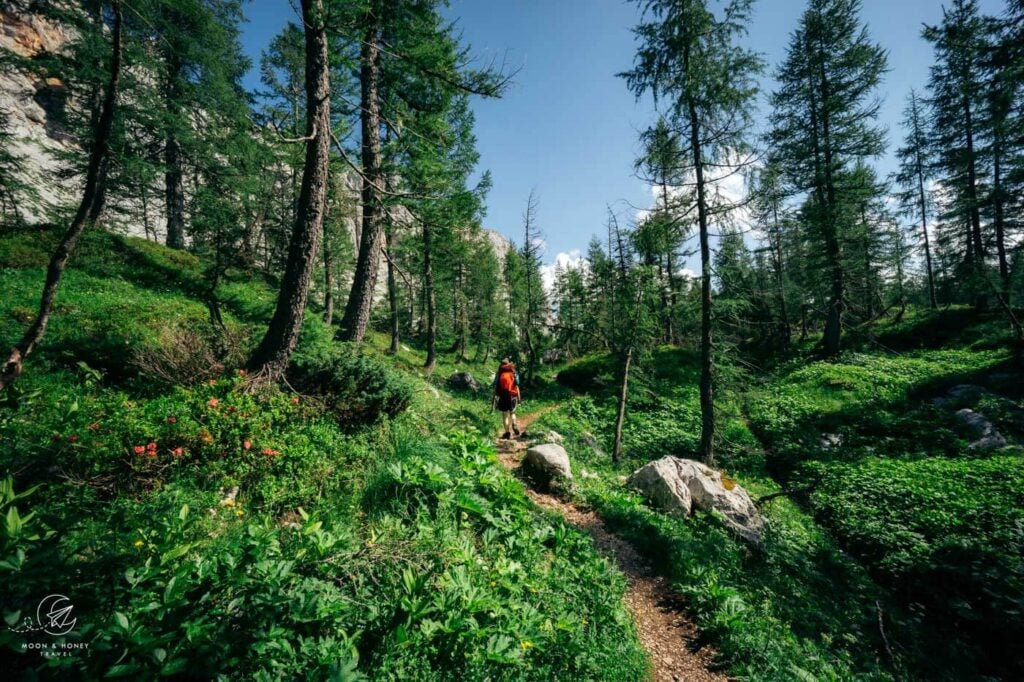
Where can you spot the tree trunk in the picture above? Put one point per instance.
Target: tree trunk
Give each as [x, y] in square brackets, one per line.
[999, 222]
[174, 184]
[328, 283]
[274, 352]
[364, 281]
[92, 197]
[707, 403]
[392, 292]
[977, 255]
[620, 416]
[429, 299]
[922, 199]
[780, 281]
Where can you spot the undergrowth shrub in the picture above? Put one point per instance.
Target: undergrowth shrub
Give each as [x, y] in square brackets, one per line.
[187, 354]
[356, 388]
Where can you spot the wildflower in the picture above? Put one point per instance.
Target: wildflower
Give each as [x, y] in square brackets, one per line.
[139, 544]
[228, 502]
[295, 400]
[151, 448]
[213, 402]
[585, 621]
[172, 419]
[494, 584]
[206, 436]
[212, 382]
[525, 644]
[72, 438]
[239, 513]
[246, 444]
[177, 452]
[139, 449]
[270, 452]
[95, 426]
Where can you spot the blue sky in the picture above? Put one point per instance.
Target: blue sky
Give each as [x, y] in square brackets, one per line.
[568, 127]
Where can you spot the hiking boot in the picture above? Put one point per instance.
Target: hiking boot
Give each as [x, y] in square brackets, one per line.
[506, 436]
[515, 430]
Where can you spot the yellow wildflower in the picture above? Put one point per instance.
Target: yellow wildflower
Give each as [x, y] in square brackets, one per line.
[139, 543]
[228, 502]
[525, 644]
[239, 512]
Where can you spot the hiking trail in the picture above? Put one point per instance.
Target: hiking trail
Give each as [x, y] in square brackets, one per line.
[665, 630]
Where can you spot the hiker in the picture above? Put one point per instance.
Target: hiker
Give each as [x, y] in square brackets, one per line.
[506, 395]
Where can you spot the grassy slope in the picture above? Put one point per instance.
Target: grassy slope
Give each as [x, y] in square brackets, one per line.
[398, 551]
[904, 519]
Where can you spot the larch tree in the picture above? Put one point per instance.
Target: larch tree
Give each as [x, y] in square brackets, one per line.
[824, 121]
[270, 359]
[955, 88]
[408, 54]
[914, 177]
[690, 57]
[92, 197]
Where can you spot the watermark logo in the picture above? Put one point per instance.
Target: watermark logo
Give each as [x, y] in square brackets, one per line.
[55, 617]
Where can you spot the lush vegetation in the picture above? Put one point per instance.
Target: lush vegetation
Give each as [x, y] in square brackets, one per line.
[224, 478]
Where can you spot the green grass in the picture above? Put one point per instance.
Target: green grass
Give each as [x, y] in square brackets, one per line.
[399, 549]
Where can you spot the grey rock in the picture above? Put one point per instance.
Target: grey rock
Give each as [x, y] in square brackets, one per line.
[549, 461]
[987, 437]
[831, 440]
[464, 381]
[555, 437]
[677, 486]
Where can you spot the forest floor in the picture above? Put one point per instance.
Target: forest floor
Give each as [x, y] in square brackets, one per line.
[666, 631]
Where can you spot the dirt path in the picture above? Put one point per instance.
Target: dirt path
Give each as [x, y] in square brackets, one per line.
[666, 632]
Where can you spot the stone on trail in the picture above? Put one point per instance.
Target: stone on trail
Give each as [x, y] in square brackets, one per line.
[677, 485]
[464, 381]
[548, 461]
[987, 436]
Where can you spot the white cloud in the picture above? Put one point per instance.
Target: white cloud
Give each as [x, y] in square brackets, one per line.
[573, 260]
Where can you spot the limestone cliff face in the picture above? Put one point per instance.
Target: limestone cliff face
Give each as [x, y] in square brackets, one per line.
[33, 106]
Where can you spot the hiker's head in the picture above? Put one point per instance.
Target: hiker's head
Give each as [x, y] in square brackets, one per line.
[506, 361]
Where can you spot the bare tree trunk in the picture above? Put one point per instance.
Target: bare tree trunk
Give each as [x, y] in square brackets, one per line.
[978, 247]
[328, 283]
[92, 198]
[923, 205]
[428, 294]
[392, 292]
[364, 281]
[174, 185]
[999, 222]
[707, 369]
[270, 360]
[620, 415]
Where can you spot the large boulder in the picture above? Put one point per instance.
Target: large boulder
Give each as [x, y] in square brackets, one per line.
[548, 462]
[986, 435]
[678, 485]
[463, 381]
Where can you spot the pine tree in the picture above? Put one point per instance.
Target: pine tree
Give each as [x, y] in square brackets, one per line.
[823, 119]
[913, 177]
[689, 55]
[955, 84]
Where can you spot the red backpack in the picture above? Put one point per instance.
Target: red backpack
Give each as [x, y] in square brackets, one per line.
[507, 380]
